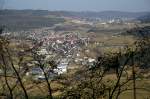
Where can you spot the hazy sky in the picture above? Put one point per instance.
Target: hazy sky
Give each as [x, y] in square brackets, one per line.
[80, 5]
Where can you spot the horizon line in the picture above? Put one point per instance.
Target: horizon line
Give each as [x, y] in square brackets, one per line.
[78, 11]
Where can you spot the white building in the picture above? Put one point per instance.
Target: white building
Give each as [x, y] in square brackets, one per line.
[62, 67]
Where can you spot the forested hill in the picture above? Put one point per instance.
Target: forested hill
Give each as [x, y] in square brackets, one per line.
[16, 20]
[145, 18]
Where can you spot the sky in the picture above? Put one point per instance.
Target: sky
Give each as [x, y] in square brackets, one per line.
[80, 5]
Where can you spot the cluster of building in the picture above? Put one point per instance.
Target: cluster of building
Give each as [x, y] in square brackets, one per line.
[62, 47]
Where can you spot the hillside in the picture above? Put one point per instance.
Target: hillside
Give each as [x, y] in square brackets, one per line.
[23, 20]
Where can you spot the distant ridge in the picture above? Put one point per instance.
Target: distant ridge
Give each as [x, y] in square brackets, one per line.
[29, 19]
[86, 14]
